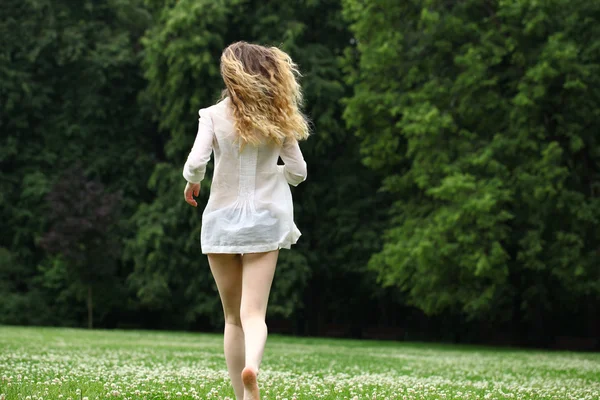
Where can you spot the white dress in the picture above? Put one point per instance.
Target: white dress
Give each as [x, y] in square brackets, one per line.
[250, 207]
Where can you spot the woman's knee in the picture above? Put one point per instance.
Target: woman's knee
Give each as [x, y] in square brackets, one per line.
[233, 319]
[249, 316]
[231, 309]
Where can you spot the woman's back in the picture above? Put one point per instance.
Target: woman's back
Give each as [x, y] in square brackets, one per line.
[250, 207]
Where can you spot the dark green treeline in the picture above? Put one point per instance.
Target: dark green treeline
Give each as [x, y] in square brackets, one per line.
[453, 189]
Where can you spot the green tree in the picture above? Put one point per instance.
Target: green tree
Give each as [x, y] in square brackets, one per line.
[483, 117]
[69, 85]
[83, 219]
[182, 66]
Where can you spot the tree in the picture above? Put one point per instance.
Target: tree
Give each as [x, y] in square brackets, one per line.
[483, 116]
[83, 220]
[182, 67]
[70, 80]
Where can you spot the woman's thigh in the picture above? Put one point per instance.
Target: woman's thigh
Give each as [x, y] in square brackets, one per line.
[227, 272]
[258, 270]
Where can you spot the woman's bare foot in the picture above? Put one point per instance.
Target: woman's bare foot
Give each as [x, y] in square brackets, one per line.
[250, 384]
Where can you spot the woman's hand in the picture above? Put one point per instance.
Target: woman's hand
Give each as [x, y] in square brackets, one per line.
[191, 190]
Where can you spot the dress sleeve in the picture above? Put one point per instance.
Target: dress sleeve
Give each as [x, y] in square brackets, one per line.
[294, 169]
[195, 166]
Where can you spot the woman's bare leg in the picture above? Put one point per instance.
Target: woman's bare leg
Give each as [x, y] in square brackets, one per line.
[227, 271]
[258, 270]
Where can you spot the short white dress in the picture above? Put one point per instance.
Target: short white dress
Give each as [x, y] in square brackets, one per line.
[250, 207]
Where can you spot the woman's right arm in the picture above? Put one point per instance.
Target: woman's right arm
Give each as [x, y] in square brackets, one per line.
[195, 166]
[294, 169]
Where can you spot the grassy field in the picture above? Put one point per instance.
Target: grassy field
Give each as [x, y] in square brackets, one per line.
[38, 363]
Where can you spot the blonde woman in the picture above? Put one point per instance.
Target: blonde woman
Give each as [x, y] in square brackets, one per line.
[249, 215]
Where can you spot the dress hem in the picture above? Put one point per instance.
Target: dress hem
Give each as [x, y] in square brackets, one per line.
[245, 249]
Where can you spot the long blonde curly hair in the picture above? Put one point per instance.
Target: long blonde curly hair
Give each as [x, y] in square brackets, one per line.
[261, 83]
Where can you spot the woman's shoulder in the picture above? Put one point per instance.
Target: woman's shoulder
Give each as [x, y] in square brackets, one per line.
[220, 105]
[220, 108]
[218, 114]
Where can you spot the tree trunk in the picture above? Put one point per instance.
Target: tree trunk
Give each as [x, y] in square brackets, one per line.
[90, 307]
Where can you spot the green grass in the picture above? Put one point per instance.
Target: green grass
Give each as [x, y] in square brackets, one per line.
[46, 363]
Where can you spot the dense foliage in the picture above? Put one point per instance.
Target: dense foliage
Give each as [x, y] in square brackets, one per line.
[181, 65]
[483, 116]
[70, 81]
[453, 169]
[83, 233]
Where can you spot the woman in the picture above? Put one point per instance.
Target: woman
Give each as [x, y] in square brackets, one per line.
[249, 215]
